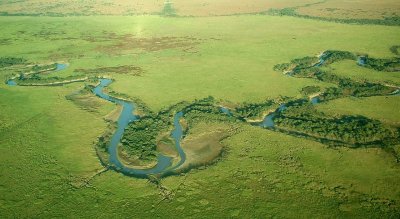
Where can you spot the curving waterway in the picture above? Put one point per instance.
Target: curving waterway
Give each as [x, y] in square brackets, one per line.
[268, 121]
[164, 163]
[59, 67]
[226, 111]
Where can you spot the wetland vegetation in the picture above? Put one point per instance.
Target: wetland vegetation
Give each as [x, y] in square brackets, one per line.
[174, 110]
[143, 140]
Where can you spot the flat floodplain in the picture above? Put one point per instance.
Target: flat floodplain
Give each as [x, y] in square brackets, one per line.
[49, 166]
[188, 64]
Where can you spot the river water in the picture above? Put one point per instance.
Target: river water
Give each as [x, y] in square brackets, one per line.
[163, 162]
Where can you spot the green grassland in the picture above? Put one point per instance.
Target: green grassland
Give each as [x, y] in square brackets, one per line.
[49, 166]
[176, 72]
[122, 7]
[326, 9]
[46, 172]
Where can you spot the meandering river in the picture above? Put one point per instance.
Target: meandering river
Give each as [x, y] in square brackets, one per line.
[164, 164]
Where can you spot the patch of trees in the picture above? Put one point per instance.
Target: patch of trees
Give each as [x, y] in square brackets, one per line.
[308, 90]
[282, 12]
[35, 79]
[355, 130]
[348, 87]
[202, 108]
[117, 94]
[389, 21]
[383, 64]
[305, 62]
[104, 139]
[254, 110]
[205, 110]
[41, 68]
[331, 93]
[332, 56]
[309, 72]
[168, 9]
[395, 50]
[297, 64]
[364, 89]
[195, 116]
[139, 139]
[9, 61]
[355, 89]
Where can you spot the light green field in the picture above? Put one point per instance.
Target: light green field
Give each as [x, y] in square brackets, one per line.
[243, 71]
[123, 7]
[344, 9]
[47, 155]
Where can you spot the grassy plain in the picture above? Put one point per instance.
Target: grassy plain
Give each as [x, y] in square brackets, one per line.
[343, 9]
[203, 145]
[121, 7]
[47, 161]
[47, 142]
[64, 7]
[191, 65]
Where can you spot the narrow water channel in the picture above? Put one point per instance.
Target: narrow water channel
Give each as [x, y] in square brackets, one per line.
[163, 162]
[268, 121]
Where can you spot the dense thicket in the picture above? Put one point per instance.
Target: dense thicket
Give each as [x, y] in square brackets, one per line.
[139, 138]
[310, 90]
[205, 110]
[395, 50]
[9, 61]
[40, 68]
[383, 64]
[356, 130]
[35, 79]
[252, 110]
[297, 64]
[332, 56]
[168, 9]
[348, 87]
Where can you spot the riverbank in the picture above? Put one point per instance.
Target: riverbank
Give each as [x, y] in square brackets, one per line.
[167, 163]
